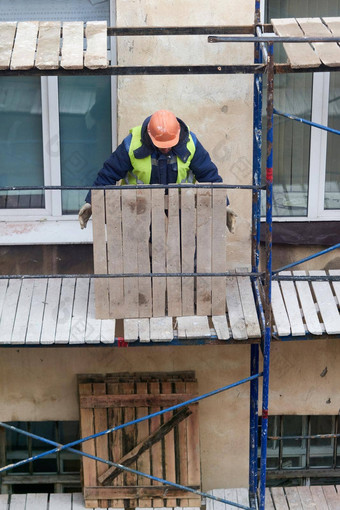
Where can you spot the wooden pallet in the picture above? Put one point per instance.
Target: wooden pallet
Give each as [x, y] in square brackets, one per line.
[167, 446]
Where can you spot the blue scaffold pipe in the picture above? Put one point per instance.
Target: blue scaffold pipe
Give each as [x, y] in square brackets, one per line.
[133, 422]
[318, 254]
[305, 121]
[125, 468]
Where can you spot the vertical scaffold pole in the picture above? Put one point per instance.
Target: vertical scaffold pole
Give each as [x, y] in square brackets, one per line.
[256, 217]
[268, 277]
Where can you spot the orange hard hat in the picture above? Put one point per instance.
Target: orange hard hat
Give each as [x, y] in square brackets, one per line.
[164, 129]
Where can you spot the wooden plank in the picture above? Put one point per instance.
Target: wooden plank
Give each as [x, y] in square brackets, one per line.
[4, 501]
[248, 306]
[242, 496]
[115, 251]
[204, 231]
[78, 324]
[36, 501]
[292, 306]
[3, 290]
[212, 504]
[87, 429]
[115, 416]
[308, 306]
[18, 501]
[318, 497]
[169, 446]
[279, 311]
[129, 217]
[193, 327]
[326, 301]
[279, 498]
[219, 257]
[136, 329]
[336, 285]
[332, 497]
[221, 327]
[173, 251]
[143, 251]
[129, 437]
[299, 55]
[9, 311]
[328, 53]
[156, 492]
[72, 46]
[100, 255]
[60, 502]
[293, 498]
[78, 501]
[133, 400]
[269, 501]
[158, 252]
[235, 311]
[48, 48]
[7, 33]
[143, 462]
[101, 443]
[306, 498]
[193, 438]
[93, 325]
[188, 244]
[35, 320]
[96, 51]
[65, 310]
[107, 331]
[183, 446]
[24, 45]
[23, 310]
[156, 450]
[161, 329]
[333, 24]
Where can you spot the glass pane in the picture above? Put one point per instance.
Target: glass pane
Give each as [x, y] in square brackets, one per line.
[321, 450]
[85, 133]
[332, 184]
[294, 450]
[21, 150]
[17, 447]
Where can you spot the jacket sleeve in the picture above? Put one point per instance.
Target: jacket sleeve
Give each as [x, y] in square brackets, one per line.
[202, 166]
[115, 167]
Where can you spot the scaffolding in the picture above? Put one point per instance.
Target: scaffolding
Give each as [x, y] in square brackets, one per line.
[261, 281]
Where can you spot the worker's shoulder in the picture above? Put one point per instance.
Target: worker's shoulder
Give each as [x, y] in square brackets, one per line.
[127, 142]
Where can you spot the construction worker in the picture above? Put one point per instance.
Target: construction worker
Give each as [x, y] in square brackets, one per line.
[161, 151]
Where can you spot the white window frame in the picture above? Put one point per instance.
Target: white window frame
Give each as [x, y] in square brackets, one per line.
[48, 225]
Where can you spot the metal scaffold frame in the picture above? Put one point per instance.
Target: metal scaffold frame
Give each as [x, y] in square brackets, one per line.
[263, 64]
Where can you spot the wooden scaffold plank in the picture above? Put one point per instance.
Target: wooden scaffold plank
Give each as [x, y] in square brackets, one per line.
[332, 497]
[65, 310]
[23, 310]
[18, 501]
[293, 498]
[158, 252]
[193, 327]
[130, 260]
[143, 461]
[173, 262]
[235, 310]
[299, 54]
[115, 417]
[143, 251]
[115, 251]
[37, 311]
[36, 501]
[100, 254]
[219, 258]
[9, 310]
[328, 53]
[220, 324]
[24, 46]
[169, 447]
[327, 305]
[78, 324]
[87, 429]
[308, 306]
[137, 329]
[72, 51]
[319, 497]
[161, 329]
[60, 502]
[93, 325]
[7, 33]
[292, 306]
[336, 285]
[4, 501]
[279, 498]
[248, 305]
[48, 48]
[188, 241]
[204, 231]
[279, 311]
[96, 51]
[101, 442]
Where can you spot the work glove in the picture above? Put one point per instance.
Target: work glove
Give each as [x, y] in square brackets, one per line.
[231, 220]
[84, 215]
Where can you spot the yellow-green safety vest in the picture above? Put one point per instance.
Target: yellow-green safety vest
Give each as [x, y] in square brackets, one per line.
[141, 173]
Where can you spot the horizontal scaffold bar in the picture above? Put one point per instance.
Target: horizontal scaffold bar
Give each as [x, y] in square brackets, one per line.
[125, 275]
[133, 186]
[147, 31]
[271, 39]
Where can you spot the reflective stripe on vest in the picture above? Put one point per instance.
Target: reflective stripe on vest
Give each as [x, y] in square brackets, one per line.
[141, 173]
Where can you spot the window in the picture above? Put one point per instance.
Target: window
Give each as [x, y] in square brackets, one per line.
[56, 473]
[302, 461]
[306, 169]
[53, 131]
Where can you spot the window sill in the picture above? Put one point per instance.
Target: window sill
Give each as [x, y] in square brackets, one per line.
[305, 232]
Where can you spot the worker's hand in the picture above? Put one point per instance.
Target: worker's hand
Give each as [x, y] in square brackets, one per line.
[231, 220]
[84, 215]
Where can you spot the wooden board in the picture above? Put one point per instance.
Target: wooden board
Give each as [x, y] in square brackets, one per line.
[130, 260]
[327, 305]
[173, 251]
[218, 254]
[36, 501]
[78, 324]
[96, 51]
[235, 311]
[158, 252]
[161, 329]
[22, 313]
[9, 310]
[204, 232]
[248, 305]
[269, 501]
[279, 311]
[72, 45]
[37, 310]
[188, 245]
[7, 33]
[293, 498]
[143, 211]
[292, 306]
[87, 429]
[100, 254]
[221, 327]
[336, 285]
[115, 252]
[24, 47]
[319, 497]
[193, 327]
[48, 48]
[328, 53]
[65, 310]
[299, 54]
[60, 502]
[306, 498]
[308, 306]
[93, 326]
[279, 498]
[137, 329]
[332, 497]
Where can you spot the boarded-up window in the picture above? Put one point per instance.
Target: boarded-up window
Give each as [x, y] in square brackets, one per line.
[166, 446]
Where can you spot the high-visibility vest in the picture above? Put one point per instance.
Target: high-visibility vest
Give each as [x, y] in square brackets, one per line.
[141, 173]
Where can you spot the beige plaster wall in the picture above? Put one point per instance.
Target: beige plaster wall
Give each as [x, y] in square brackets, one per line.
[287, 254]
[218, 109]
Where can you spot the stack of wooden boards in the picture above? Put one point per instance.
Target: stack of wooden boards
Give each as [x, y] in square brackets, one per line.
[314, 54]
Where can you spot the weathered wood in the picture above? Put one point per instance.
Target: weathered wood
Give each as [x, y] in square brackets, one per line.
[9, 309]
[279, 311]
[101, 442]
[332, 497]
[78, 324]
[193, 439]
[336, 285]
[156, 450]
[269, 501]
[326, 301]
[60, 502]
[161, 328]
[308, 305]
[293, 498]
[93, 326]
[115, 416]
[183, 442]
[36, 311]
[306, 498]
[292, 306]
[87, 429]
[279, 498]
[48, 48]
[158, 252]
[328, 53]
[248, 306]
[72, 46]
[130, 261]
[299, 55]
[219, 257]
[129, 437]
[193, 327]
[115, 251]
[137, 329]
[96, 51]
[143, 461]
[188, 243]
[319, 497]
[50, 311]
[235, 311]
[36, 501]
[65, 310]
[152, 491]
[99, 254]
[24, 45]
[204, 230]
[173, 262]
[132, 400]
[22, 314]
[18, 501]
[169, 460]
[221, 326]
[107, 331]
[7, 33]
[143, 251]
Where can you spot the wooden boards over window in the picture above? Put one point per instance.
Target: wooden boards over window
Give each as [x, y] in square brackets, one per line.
[166, 446]
[149, 230]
